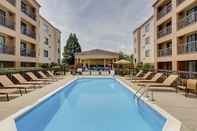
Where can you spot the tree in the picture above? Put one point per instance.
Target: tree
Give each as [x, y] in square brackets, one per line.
[72, 47]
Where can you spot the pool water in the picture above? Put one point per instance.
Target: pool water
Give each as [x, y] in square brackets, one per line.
[92, 104]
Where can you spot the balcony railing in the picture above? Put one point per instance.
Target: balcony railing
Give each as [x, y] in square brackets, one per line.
[166, 9]
[7, 22]
[190, 47]
[165, 52]
[165, 31]
[28, 52]
[13, 2]
[28, 13]
[6, 50]
[178, 2]
[29, 33]
[187, 20]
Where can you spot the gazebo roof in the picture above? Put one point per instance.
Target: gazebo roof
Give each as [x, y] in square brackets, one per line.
[97, 53]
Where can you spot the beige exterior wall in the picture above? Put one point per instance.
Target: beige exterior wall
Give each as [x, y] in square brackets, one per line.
[19, 23]
[144, 42]
[53, 36]
[173, 23]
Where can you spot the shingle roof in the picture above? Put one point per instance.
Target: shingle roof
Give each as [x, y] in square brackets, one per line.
[97, 52]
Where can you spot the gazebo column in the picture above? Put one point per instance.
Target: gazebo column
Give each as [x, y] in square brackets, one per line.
[104, 62]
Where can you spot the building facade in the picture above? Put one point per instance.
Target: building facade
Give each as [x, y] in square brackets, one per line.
[49, 46]
[19, 33]
[144, 43]
[176, 35]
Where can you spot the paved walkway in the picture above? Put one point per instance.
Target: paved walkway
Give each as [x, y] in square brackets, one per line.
[181, 107]
[9, 108]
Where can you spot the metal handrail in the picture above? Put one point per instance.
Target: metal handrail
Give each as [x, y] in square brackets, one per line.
[166, 9]
[165, 52]
[28, 52]
[6, 50]
[187, 20]
[165, 31]
[187, 48]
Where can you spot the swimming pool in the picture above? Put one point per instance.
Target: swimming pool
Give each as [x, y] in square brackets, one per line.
[91, 104]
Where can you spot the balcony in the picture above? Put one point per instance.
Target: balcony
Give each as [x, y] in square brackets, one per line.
[178, 2]
[165, 31]
[165, 52]
[28, 13]
[190, 47]
[13, 2]
[166, 9]
[29, 33]
[28, 52]
[7, 22]
[187, 20]
[6, 50]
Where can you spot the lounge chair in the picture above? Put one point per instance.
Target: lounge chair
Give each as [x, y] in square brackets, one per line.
[155, 78]
[55, 77]
[191, 86]
[7, 92]
[145, 77]
[45, 77]
[168, 82]
[35, 78]
[22, 80]
[8, 84]
[139, 73]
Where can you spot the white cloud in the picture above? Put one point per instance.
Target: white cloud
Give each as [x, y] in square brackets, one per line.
[105, 24]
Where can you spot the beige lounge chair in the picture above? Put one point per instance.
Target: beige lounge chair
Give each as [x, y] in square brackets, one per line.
[155, 78]
[45, 77]
[168, 82]
[191, 86]
[35, 78]
[53, 76]
[7, 92]
[22, 80]
[8, 84]
[145, 77]
[139, 73]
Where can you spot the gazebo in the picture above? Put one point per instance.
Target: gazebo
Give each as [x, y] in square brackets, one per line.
[123, 67]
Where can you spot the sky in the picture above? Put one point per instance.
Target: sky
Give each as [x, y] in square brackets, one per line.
[98, 24]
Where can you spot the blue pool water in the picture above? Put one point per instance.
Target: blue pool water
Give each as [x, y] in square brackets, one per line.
[93, 104]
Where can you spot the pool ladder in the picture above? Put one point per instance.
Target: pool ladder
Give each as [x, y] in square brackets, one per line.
[141, 92]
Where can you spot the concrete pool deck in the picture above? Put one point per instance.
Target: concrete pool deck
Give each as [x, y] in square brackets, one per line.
[181, 107]
[13, 106]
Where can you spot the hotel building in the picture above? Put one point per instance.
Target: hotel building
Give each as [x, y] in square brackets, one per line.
[49, 46]
[19, 33]
[176, 35]
[144, 43]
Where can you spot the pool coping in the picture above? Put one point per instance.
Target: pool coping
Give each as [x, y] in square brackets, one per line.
[172, 124]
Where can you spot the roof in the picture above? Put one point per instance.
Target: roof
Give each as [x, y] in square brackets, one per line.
[96, 53]
[123, 62]
[151, 17]
[44, 19]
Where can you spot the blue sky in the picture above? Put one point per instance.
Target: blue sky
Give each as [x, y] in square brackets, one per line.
[103, 24]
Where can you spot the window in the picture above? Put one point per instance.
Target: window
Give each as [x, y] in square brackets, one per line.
[147, 53]
[3, 16]
[147, 41]
[46, 53]
[23, 27]
[46, 41]
[46, 28]
[23, 6]
[2, 42]
[147, 27]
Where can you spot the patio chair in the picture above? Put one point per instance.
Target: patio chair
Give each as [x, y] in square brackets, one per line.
[45, 77]
[35, 78]
[155, 78]
[22, 80]
[168, 82]
[139, 73]
[7, 92]
[55, 77]
[8, 84]
[191, 86]
[145, 77]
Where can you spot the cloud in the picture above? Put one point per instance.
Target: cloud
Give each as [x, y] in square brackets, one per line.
[104, 24]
